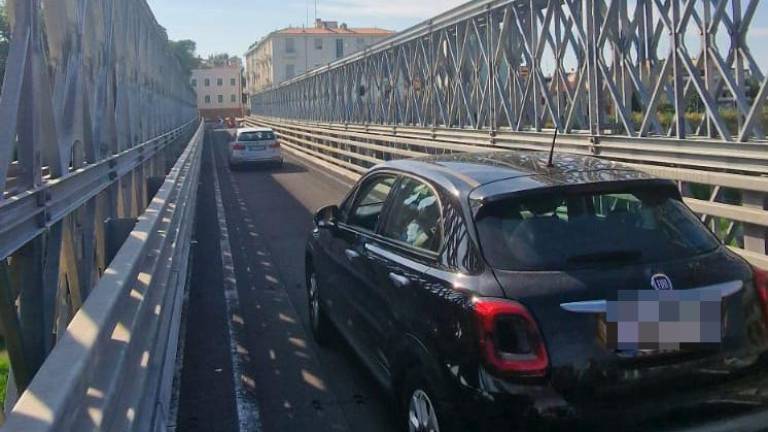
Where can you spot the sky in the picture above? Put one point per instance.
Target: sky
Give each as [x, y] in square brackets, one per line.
[232, 25]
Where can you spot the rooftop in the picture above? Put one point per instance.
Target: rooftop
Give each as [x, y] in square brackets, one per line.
[464, 172]
[338, 30]
[325, 28]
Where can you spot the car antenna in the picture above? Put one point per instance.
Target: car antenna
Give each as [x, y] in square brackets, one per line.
[552, 149]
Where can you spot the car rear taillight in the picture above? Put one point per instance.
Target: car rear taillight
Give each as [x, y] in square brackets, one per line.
[275, 145]
[761, 286]
[238, 146]
[510, 341]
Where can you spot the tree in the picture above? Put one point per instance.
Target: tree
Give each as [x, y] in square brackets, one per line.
[220, 59]
[5, 40]
[185, 51]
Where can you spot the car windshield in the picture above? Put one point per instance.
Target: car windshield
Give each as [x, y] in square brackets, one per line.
[561, 231]
[256, 136]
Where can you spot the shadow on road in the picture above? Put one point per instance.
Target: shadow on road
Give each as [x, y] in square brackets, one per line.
[298, 385]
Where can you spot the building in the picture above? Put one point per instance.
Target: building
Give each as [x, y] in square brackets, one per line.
[286, 53]
[219, 90]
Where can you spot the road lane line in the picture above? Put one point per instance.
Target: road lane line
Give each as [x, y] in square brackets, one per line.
[249, 419]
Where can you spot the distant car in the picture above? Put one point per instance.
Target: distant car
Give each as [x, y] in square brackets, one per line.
[479, 289]
[255, 145]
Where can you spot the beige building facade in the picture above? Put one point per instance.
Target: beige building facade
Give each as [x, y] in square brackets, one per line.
[286, 53]
[219, 91]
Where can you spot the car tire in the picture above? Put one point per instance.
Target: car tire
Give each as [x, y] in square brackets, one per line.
[423, 405]
[320, 324]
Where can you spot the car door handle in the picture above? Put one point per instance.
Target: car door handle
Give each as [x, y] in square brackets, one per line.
[399, 280]
[351, 254]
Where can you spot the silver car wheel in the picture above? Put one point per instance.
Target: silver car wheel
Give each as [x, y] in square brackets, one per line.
[314, 301]
[421, 413]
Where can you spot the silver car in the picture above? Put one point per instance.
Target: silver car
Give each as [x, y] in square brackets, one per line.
[254, 145]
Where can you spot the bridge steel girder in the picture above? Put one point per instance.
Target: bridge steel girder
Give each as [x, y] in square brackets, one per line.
[531, 65]
[671, 85]
[93, 103]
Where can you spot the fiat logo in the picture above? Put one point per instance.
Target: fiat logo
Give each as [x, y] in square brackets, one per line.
[661, 282]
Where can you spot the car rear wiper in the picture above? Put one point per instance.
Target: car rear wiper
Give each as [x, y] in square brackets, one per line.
[610, 255]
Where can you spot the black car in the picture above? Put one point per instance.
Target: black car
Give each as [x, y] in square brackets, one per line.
[501, 290]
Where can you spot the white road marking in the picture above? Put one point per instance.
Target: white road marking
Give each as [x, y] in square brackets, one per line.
[248, 416]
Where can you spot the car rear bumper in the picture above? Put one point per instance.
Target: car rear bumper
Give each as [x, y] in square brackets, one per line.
[240, 159]
[753, 422]
[736, 404]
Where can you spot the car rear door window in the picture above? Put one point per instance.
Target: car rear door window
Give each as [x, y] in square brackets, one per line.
[370, 201]
[561, 231]
[256, 136]
[415, 216]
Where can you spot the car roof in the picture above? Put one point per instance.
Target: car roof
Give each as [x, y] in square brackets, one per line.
[490, 173]
[254, 129]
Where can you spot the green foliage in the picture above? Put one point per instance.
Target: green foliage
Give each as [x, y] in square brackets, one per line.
[752, 88]
[185, 51]
[220, 59]
[5, 368]
[667, 115]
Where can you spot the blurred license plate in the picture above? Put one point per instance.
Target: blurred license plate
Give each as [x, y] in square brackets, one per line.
[252, 147]
[661, 320]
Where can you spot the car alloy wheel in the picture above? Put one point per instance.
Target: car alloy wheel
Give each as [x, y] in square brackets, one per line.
[314, 302]
[422, 416]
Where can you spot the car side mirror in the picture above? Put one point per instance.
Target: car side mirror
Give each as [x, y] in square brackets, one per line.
[326, 217]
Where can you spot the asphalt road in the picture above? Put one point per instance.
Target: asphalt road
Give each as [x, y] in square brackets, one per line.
[292, 383]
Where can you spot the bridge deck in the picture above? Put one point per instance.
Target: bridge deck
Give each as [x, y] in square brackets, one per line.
[295, 384]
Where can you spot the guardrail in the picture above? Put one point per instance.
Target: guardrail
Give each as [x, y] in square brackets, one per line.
[631, 68]
[672, 87]
[113, 366]
[726, 183]
[95, 110]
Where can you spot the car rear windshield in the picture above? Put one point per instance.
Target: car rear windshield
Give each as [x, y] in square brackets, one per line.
[561, 231]
[256, 136]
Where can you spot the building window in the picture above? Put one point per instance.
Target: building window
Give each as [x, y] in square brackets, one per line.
[339, 48]
[220, 98]
[233, 98]
[219, 82]
[318, 44]
[194, 82]
[290, 46]
[207, 82]
[290, 71]
[232, 82]
[207, 99]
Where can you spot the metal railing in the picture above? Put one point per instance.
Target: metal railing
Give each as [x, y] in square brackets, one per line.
[740, 221]
[669, 85]
[638, 68]
[113, 366]
[95, 110]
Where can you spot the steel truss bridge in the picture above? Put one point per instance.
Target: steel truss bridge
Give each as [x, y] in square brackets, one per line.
[669, 85]
[100, 155]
